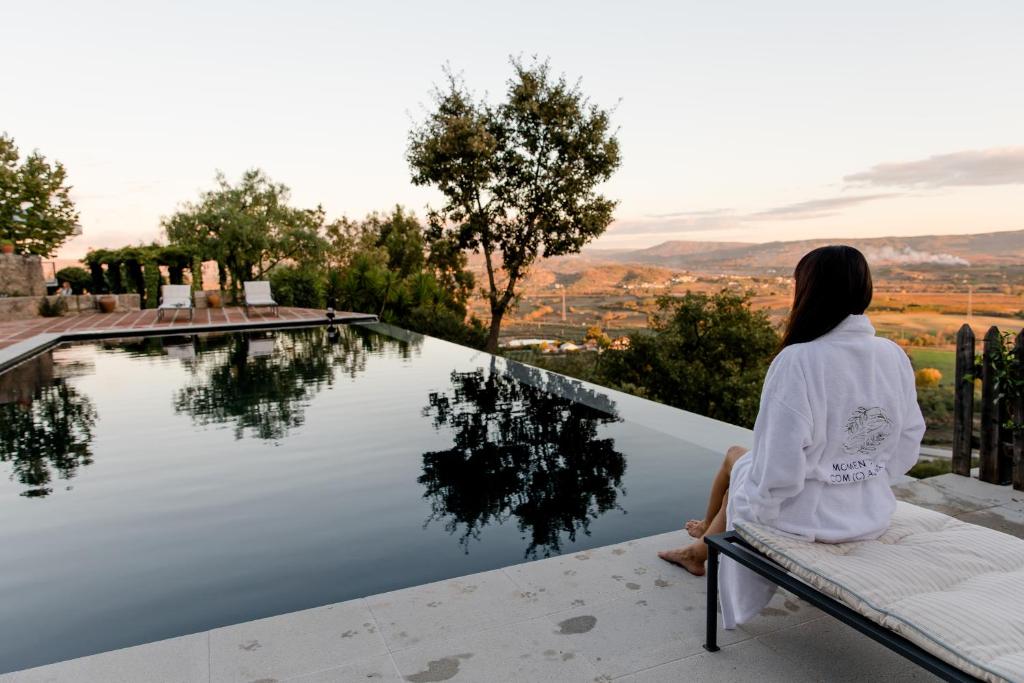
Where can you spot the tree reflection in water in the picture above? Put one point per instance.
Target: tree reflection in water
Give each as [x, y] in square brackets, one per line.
[262, 383]
[50, 431]
[525, 446]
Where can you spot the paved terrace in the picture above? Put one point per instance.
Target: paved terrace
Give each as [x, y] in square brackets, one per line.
[613, 613]
[15, 331]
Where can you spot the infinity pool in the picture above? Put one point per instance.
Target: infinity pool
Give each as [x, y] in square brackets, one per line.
[155, 487]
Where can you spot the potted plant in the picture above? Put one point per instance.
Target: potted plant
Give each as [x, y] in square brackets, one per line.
[213, 299]
[107, 303]
[6, 247]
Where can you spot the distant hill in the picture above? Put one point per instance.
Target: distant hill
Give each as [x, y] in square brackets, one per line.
[992, 248]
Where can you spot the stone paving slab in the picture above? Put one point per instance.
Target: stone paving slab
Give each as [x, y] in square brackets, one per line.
[997, 507]
[303, 642]
[526, 651]
[379, 669]
[829, 650]
[423, 614]
[747, 662]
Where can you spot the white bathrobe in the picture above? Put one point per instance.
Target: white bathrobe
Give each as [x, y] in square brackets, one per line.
[838, 419]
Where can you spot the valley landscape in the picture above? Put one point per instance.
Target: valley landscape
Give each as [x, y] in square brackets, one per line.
[926, 287]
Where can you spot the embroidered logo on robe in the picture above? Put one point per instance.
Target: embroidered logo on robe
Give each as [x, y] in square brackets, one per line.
[853, 471]
[866, 429]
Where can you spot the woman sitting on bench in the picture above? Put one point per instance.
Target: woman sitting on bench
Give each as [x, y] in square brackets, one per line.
[838, 419]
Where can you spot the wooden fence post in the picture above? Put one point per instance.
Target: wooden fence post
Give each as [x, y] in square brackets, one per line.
[963, 401]
[988, 449]
[1018, 419]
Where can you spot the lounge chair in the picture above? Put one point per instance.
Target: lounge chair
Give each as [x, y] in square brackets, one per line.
[943, 593]
[174, 298]
[258, 294]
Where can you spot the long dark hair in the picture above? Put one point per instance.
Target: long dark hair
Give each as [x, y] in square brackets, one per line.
[831, 283]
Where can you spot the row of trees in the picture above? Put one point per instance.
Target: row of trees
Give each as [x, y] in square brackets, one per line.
[387, 264]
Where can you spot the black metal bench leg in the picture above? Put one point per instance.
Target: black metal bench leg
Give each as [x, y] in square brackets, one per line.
[711, 638]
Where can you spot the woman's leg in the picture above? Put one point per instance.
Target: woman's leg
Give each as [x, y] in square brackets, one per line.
[692, 557]
[719, 486]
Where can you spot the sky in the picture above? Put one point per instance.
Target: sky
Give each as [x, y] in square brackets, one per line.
[738, 121]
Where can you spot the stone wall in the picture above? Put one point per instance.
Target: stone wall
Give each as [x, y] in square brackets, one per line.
[21, 275]
[24, 307]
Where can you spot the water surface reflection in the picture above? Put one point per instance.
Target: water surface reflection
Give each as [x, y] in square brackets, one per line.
[46, 426]
[524, 447]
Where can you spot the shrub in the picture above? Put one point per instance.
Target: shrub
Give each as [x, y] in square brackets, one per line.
[297, 286]
[78, 278]
[595, 333]
[927, 377]
[704, 353]
[444, 324]
[52, 307]
[930, 468]
[152, 281]
[937, 408]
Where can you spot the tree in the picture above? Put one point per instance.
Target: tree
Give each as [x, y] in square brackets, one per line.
[400, 235]
[248, 228]
[519, 178]
[704, 353]
[36, 210]
[384, 265]
[598, 336]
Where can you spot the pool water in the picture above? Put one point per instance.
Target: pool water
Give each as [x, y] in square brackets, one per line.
[160, 486]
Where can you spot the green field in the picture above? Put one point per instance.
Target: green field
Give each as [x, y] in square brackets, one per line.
[942, 360]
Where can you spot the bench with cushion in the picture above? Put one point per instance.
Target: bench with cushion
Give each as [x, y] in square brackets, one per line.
[946, 594]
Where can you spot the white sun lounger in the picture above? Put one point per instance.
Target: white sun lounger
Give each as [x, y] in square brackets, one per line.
[946, 594]
[257, 293]
[174, 298]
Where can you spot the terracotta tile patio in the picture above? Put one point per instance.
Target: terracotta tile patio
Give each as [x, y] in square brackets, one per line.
[13, 331]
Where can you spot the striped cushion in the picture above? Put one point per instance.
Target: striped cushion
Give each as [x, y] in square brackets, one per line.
[953, 588]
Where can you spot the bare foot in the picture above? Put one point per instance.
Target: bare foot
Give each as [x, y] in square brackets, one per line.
[688, 558]
[696, 527]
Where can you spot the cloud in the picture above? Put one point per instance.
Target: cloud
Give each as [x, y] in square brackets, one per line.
[723, 219]
[996, 166]
[682, 221]
[814, 208]
[690, 214]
